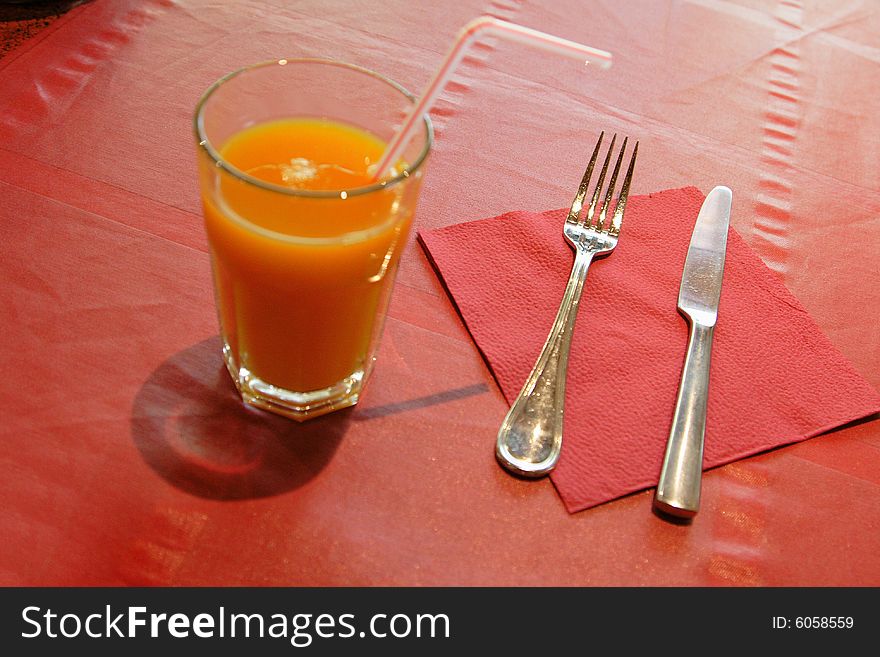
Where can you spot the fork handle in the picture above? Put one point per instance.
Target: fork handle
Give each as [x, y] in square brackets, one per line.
[678, 492]
[530, 438]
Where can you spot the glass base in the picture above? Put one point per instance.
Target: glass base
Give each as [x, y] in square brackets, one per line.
[299, 406]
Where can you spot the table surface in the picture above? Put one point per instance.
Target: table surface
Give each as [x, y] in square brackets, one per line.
[129, 461]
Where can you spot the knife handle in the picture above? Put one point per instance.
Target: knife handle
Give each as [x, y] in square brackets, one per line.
[678, 492]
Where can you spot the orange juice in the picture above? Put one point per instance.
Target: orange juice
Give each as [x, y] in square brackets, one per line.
[303, 256]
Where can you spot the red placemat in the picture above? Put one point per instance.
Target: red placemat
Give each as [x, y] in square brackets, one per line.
[775, 378]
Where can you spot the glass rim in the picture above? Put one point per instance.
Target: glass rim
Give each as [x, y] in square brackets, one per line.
[205, 144]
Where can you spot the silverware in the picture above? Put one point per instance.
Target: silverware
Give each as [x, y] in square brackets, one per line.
[530, 438]
[678, 492]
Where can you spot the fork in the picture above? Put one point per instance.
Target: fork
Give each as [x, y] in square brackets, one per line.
[530, 438]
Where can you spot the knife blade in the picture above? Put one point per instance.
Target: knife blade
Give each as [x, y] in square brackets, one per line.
[678, 491]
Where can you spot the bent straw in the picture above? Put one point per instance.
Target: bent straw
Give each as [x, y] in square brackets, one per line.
[485, 25]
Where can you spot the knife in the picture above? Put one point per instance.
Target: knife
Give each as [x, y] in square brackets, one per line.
[678, 492]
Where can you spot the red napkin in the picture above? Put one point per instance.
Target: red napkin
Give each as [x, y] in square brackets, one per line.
[775, 378]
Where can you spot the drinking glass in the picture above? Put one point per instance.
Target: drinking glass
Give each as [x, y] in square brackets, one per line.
[303, 273]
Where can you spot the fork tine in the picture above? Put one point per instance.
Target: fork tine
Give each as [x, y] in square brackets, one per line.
[617, 218]
[588, 221]
[575, 212]
[610, 193]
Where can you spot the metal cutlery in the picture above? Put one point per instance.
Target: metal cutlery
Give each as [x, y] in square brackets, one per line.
[678, 492]
[530, 438]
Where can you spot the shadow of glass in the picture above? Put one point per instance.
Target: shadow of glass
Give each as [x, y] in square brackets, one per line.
[192, 429]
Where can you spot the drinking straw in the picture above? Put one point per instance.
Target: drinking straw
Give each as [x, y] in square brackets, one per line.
[482, 26]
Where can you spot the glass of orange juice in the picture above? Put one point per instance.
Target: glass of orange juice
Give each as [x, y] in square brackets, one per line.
[304, 239]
